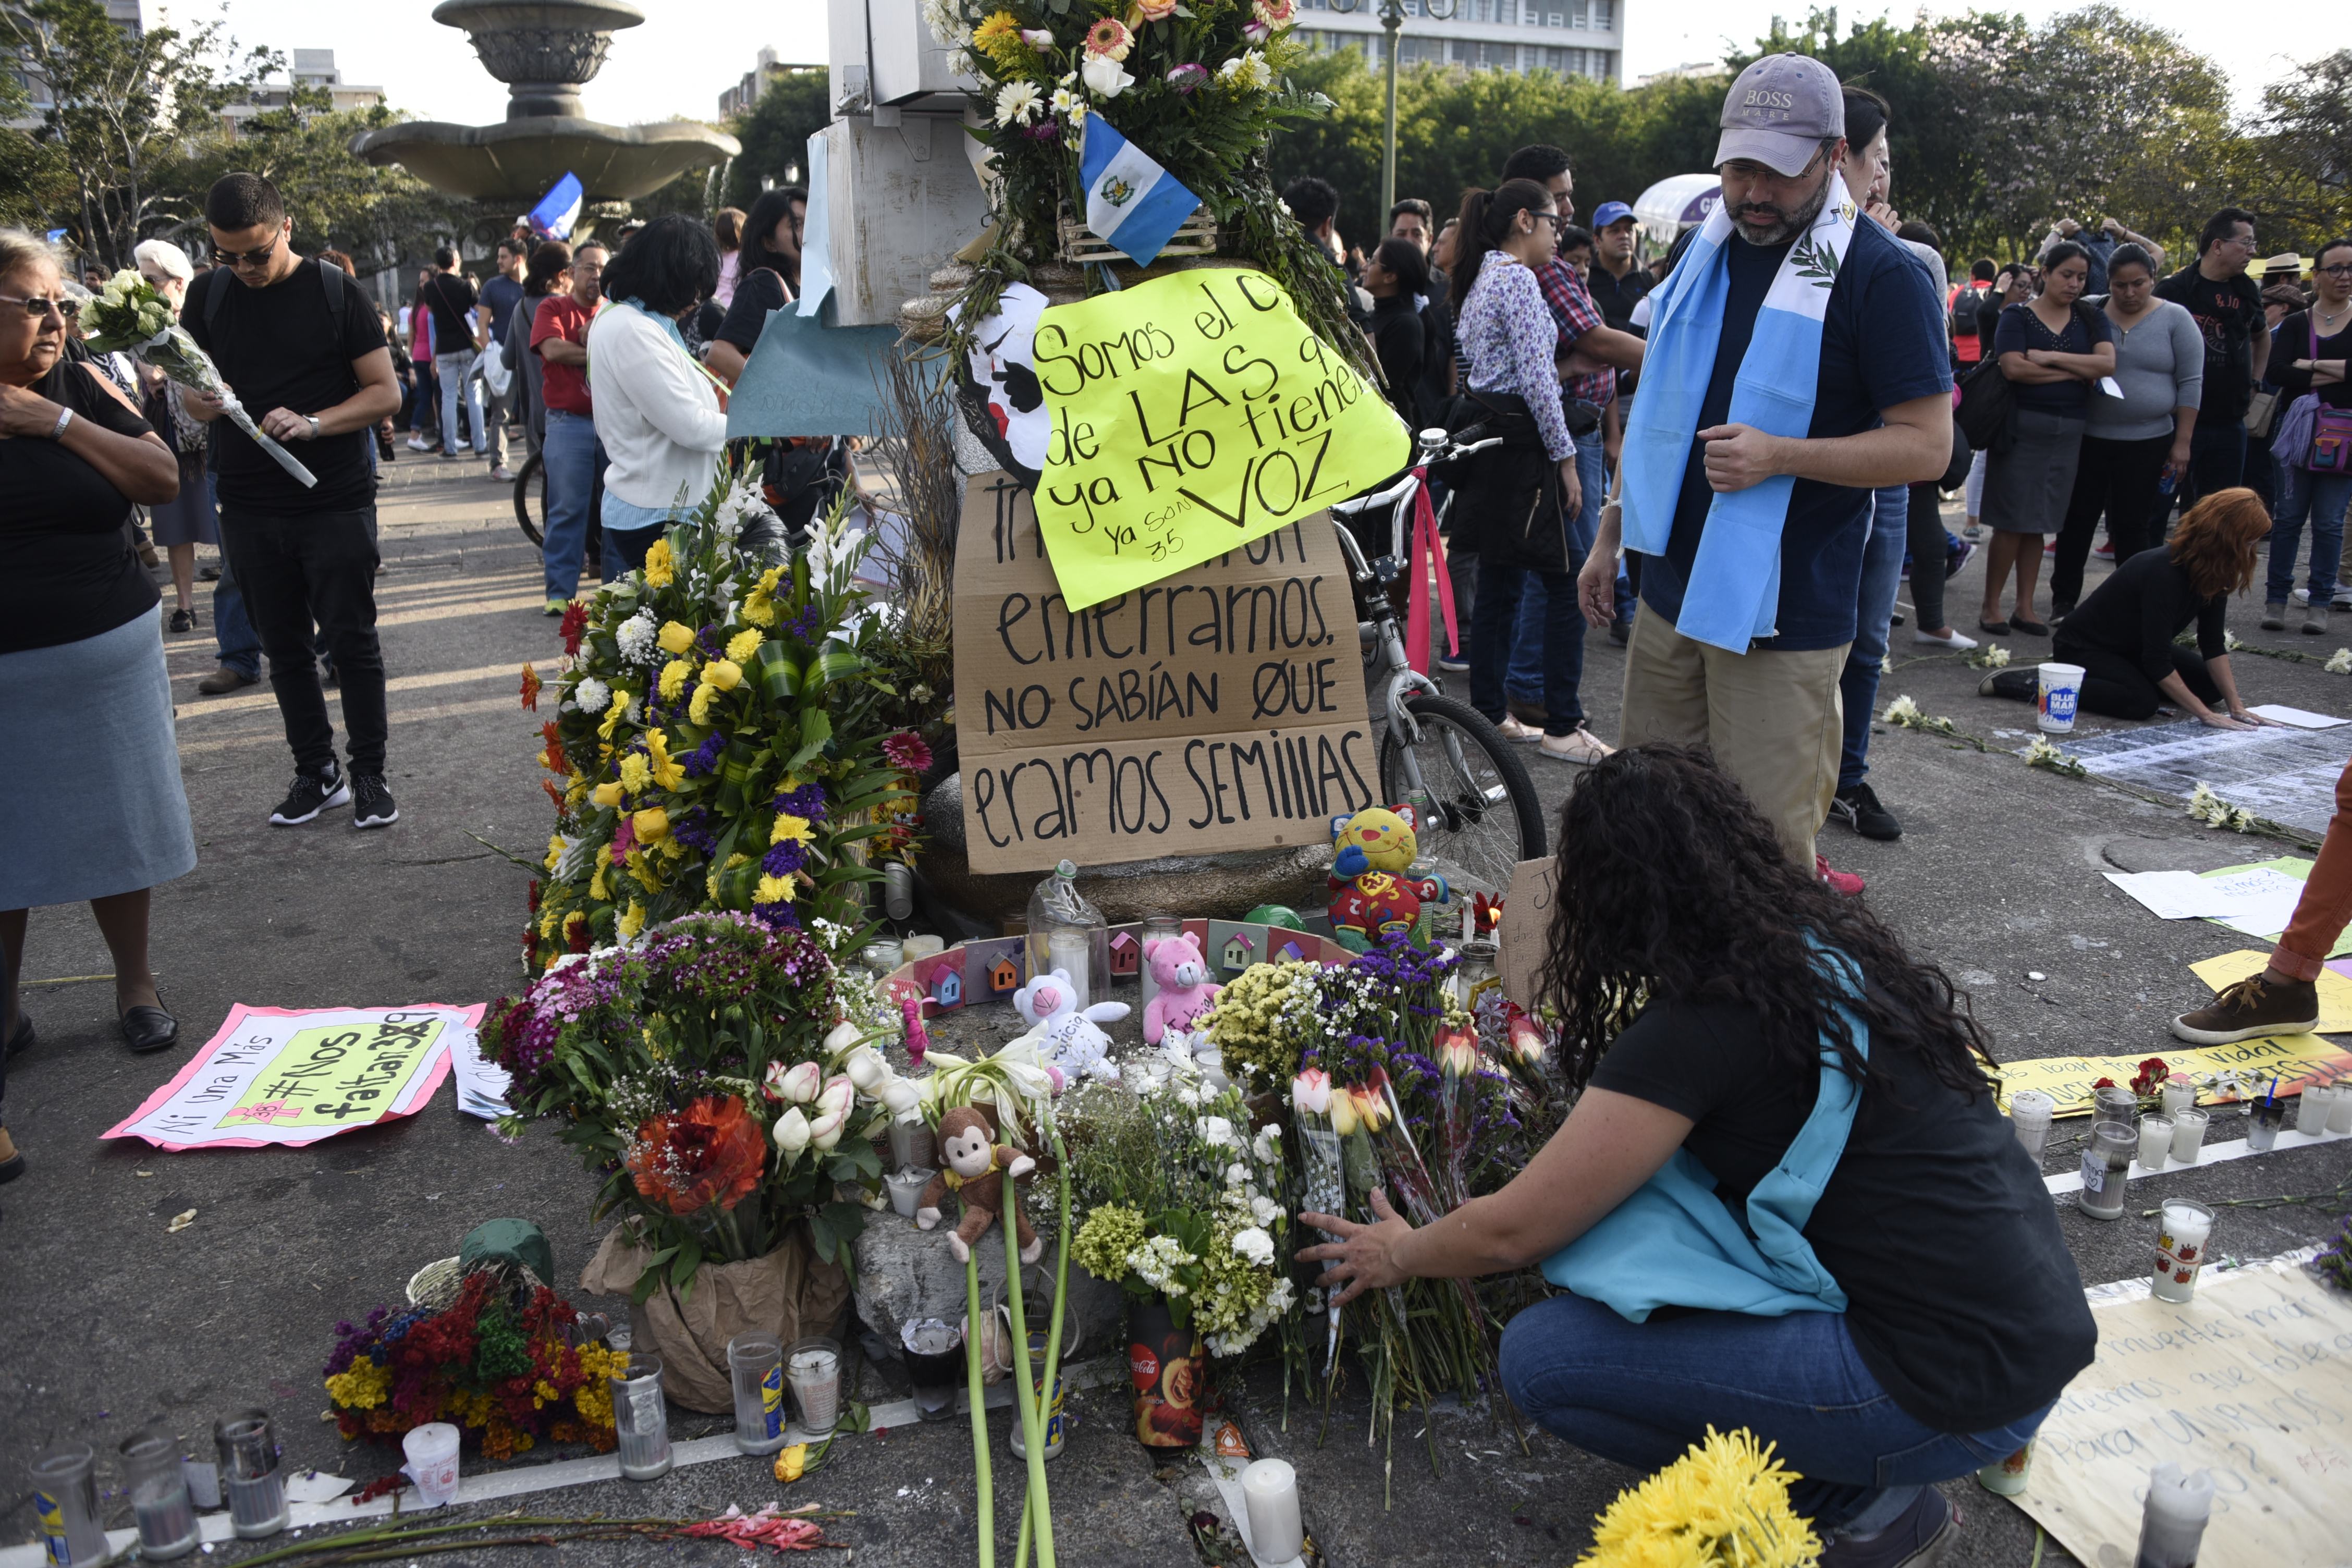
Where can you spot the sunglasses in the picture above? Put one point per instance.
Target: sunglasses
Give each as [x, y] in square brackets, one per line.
[37, 306]
[249, 258]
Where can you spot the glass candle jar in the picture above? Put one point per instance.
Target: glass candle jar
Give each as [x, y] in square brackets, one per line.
[882, 955]
[65, 1503]
[2117, 1105]
[813, 1365]
[2188, 1135]
[159, 1504]
[756, 1362]
[2184, 1228]
[913, 1143]
[907, 1183]
[2180, 1094]
[2154, 1140]
[640, 1419]
[935, 1365]
[2263, 1120]
[2107, 1168]
[2029, 1111]
[2339, 1111]
[250, 1473]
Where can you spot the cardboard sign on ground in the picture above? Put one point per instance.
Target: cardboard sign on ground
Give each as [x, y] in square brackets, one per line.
[1221, 709]
[1527, 924]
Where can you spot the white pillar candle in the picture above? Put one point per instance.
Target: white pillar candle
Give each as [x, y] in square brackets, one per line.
[922, 944]
[2155, 1139]
[2339, 1111]
[2188, 1134]
[1270, 1488]
[2173, 1522]
[1067, 950]
[2029, 1117]
[2180, 1094]
[2311, 1109]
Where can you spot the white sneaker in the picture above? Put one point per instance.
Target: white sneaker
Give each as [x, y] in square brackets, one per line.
[2343, 600]
[418, 444]
[2301, 596]
[1581, 747]
[1952, 640]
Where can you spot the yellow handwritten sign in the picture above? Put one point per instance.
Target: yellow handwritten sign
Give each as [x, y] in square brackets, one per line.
[1192, 414]
[2294, 1059]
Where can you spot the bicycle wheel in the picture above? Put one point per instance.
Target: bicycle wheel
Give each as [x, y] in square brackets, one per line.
[531, 499]
[1484, 816]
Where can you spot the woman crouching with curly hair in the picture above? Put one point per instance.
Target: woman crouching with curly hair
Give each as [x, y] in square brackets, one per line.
[1785, 1199]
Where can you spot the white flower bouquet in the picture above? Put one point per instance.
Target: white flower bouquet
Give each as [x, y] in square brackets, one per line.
[129, 316]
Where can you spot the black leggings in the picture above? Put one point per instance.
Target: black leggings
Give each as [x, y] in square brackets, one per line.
[2118, 477]
[1926, 539]
[2118, 687]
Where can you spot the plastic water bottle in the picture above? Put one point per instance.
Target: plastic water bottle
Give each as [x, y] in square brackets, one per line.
[2166, 478]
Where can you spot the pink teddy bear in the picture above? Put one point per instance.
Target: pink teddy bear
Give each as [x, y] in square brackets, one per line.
[1182, 975]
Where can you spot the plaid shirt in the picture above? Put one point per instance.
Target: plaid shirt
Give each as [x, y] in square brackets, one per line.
[1572, 308]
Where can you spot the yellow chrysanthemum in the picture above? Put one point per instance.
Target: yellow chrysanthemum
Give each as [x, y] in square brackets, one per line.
[577, 796]
[659, 568]
[673, 678]
[597, 889]
[614, 713]
[676, 638]
[666, 773]
[607, 794]
[759, 604]
[795, 828]
[744, 646]
[1724, 1501]
[723, 673]
[643, 870]
[633, 922]
[555, 851]
[635, 773]
[699, 710]
[652, 825]
[364, 1387]
[774, 890]
[548, 916]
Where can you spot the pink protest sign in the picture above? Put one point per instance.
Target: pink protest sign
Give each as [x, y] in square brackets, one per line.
[286, 1075]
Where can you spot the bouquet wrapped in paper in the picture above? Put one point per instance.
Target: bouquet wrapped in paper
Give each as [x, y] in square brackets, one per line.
[130, 315]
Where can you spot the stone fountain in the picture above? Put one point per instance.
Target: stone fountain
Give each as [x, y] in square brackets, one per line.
[545, 50]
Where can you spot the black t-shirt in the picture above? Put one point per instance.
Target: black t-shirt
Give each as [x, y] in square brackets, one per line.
[1400, 339]
[500, 294]
[2229, 312]
[278, 348]
[1615, 297]
[2291, 343]
[451, 298]
[1961, 1296]
[2140, 608]
[1881, 344]
[68, 570]
[757, 292]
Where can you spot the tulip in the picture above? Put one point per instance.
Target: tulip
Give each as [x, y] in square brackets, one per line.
[1311, 1091]
[1528, 1041]
[867, 1068]
[825, 1131]
[1457, 1053]
[792, 1133]
[723, 673]
[798, 1083]
[1371, 1108]
[1037, 37]
[836, 1096]
[607, 794]
[1343, 1113]
[676, 638]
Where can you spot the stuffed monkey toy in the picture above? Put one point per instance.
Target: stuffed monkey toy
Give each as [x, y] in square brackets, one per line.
[973, 1167]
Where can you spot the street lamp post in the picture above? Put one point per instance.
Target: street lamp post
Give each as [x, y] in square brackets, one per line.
[1391, 20]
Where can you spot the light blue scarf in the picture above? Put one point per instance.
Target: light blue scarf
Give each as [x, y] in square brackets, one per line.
[1734, 594]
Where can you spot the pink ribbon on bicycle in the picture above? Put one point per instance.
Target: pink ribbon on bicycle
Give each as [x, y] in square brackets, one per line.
[1425, 554]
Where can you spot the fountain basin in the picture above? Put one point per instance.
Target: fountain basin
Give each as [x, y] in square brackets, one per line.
[518, 160]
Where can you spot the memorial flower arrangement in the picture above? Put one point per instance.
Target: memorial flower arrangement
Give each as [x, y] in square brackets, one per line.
[497, 1364]
[1724, 1504]
[1197, 85]
[722, 1075]
[718, 740]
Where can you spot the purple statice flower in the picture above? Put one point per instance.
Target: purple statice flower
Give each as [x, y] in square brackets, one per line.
[711, 641]
[785, 859]
[777, 914]
[807, 800]
[693, 829]
[805, 626]
[700, 762]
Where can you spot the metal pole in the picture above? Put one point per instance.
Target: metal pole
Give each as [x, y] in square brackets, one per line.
[1391, 18]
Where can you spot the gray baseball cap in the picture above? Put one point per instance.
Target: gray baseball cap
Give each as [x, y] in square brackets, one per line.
[1780, 111]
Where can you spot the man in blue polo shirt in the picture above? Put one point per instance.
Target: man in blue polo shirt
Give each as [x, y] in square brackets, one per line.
[1769, 413]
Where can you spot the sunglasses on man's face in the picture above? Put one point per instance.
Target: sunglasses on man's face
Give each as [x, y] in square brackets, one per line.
[39, 306]
[249, 258]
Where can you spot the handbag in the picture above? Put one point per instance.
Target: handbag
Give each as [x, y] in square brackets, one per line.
[2327, 449]
[1985, 403]
[1674, 1242]
[2260, 413]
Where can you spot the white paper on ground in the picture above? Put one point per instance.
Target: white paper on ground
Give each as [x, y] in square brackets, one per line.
[2296, 718]
[2258, 902]
[2171, 895]
[481, 1084]
[312, 1487]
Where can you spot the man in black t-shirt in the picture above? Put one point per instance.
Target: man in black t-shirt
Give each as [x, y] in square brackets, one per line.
[2228, 306]
[447, 294]
[302, 349]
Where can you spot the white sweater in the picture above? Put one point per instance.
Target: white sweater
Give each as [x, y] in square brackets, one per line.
[656, 414]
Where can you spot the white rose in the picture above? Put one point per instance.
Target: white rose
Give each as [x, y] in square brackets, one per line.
[1105, 76]
[798, 1083]
[841, 1037]
[792, 1133]
[902, 1096]
[835, 1098]
[867, 1068]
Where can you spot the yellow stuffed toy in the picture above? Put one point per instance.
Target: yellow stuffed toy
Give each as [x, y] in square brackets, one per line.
[1370, 893]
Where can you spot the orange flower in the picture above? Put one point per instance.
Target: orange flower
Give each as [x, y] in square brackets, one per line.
[530, 684]
[552, 758]
[710, 1155]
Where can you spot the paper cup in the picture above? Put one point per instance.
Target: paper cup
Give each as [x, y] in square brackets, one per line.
[2062, 689]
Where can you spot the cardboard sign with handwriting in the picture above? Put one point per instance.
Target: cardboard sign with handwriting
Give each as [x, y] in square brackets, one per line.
[1222, 708]
[1527, 926]
[1191, 414]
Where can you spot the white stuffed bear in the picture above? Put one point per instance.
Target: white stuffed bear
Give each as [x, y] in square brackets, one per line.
[1067, 1035]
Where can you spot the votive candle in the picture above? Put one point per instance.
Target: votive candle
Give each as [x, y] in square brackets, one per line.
[640, 1419]
[2172, 1524]
[2180, 1094]
[2106, 1166]
[2155, 1139]
[2189, 1135]
[2029, 1111]
[2311, 1109]
[2182, 1230]
[2339, 1110]
[1270, 1490]
[1066, 950]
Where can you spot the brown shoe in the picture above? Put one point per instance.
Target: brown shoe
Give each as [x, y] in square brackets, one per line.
[227, 677]
[2254, 1006]
[12, 1162]
[1531, 714]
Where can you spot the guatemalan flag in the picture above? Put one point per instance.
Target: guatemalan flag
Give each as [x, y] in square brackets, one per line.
[560, 208]
[1131, 201]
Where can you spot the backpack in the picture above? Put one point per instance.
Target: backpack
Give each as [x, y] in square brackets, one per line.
[1962, 317]
[1985, 395]
[330, 279]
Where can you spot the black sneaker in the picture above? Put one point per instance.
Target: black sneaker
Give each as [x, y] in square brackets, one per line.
[1859, 809]
[1920, 1535]
[311, 795]
[374, 809]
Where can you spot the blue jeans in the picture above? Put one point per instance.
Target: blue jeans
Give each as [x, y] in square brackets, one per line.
[1640, 1394]
[1504, 593]
[456, 376]
[1527, 679]
[1882, 575]
[240, 646]
[2322, 499]
[574, 460]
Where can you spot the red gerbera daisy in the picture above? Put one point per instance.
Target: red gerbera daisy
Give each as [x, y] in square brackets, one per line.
[531, 685]
[708, 1155]
[575, 626]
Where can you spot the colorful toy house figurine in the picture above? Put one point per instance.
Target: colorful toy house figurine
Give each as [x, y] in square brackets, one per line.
[1003, 977]
[1289, 953]
[947, 987]
[1240, 952]
[1125, 954]
[1371, 892]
